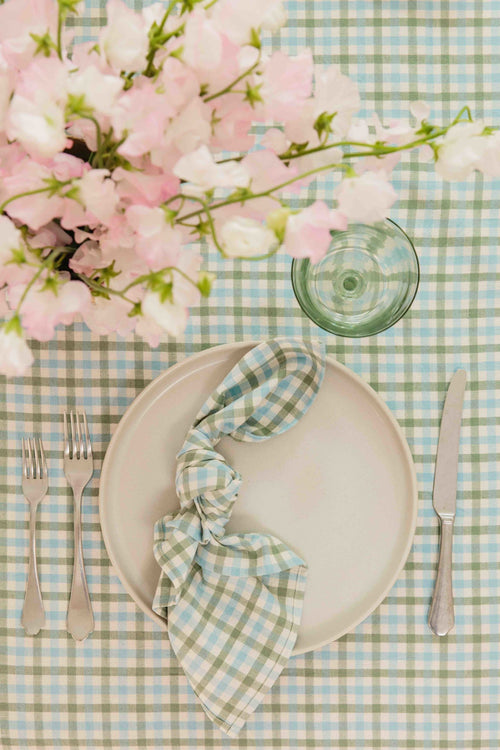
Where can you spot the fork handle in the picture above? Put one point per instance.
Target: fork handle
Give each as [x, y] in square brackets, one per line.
[33, 615]
[80, 618]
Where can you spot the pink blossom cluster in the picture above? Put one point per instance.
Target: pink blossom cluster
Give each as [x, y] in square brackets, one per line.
[118, 157]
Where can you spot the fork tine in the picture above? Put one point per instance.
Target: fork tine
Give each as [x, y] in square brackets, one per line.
[66, 436]
[38, 472]
[73, 441]
[79, 432]
[30, 473]
[42, 458]
[87, 436]
[25, 463]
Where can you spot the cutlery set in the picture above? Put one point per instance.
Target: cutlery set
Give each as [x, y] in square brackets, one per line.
[78, 468]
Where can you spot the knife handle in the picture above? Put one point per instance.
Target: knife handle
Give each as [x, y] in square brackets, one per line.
[441, 613]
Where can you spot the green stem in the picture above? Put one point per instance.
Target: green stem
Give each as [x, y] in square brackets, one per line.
[379, 151]
[228, 89]
[153, 49]
[49, 260]
[211, 224]
[108, 290]
[60, 21]
[464, 109]
[147, 276]
[98, 132]
[22, 195]
[264, 193]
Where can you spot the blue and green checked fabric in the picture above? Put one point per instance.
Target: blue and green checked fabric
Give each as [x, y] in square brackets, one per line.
[233, 602]
[390, 683]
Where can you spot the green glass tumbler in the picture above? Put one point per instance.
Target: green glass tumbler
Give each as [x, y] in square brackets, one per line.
[366, 282]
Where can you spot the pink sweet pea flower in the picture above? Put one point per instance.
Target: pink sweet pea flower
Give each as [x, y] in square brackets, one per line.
[18, 21]
[33, 210]
[171, 316]
[266, 170]
[275, 140]
[87, 258]
[233, 119]
[307, 233]
[334, 93]
[146, 188]
[106, 316]
[42, 309]
[286, 84]
[35, 117]
[157, 242]
[124, 39]
[366, 198]
[98, 193]
[209, 53]
[168, 316]
[4, 307]
[143, 113]
[10, 240]
[183, 134]
[99, 90]
[179, 81]
[202, 43]
[237, 18]
[203, 173]
[15, 355]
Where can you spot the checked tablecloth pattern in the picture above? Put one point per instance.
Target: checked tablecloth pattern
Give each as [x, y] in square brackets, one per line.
[390, 683]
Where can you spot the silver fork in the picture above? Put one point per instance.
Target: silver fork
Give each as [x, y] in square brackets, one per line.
[78, 468]
[35, 484]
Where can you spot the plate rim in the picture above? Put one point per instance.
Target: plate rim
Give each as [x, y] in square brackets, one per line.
[122, 425]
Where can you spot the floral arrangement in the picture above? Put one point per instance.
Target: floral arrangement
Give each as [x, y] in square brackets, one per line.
[117, 157]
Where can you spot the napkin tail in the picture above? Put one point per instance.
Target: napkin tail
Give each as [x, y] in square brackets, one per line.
[230, 695]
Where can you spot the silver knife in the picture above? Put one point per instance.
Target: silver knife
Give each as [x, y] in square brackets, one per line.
[444, 499]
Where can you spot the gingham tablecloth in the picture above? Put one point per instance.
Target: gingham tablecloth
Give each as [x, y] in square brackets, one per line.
[390, 683]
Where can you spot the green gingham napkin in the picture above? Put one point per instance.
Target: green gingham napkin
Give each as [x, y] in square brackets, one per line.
[233, 603]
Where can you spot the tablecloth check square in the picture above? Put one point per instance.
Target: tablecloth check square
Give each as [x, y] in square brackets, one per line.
[390, 683]
[233, 602]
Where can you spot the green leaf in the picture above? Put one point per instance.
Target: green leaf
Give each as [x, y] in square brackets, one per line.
[68, 6]
[44, 44]
[178, 52]
[18, 256]
[165, 293]
[108, 273]
[255, 39]
[136, 310]
[205, 282]
[77, 105]
[13, 325]
[252, 94]
[73, 193]
[240, 195]
[51, 284]
[277, 221]
[188, 5]
[54, 185]
[204, 228]
[323, 123]
[170, 215]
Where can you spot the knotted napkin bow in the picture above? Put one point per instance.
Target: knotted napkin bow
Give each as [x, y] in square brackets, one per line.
[233, 602]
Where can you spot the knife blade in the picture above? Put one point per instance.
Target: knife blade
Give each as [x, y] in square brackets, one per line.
[444, 494]
[444, 499]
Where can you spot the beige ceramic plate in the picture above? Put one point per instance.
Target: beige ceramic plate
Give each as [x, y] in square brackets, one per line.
[339, 488]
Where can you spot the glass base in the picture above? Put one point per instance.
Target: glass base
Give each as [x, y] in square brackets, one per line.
[365, 283]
